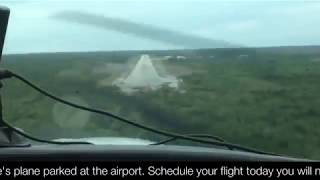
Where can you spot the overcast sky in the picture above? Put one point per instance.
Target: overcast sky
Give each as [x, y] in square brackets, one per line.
[247, 22]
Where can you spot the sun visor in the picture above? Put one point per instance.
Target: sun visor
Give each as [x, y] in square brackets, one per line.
[4, 17]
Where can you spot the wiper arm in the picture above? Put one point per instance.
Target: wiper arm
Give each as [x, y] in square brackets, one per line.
[208, 136]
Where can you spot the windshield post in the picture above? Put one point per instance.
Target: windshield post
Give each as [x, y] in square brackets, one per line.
[4, 17]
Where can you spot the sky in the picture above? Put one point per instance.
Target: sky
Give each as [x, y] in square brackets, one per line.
[257, 23]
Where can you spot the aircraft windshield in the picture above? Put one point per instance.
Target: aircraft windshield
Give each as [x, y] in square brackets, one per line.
[244, 70]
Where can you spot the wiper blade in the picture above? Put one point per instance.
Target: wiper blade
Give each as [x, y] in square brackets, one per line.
[220, 142]
[208, 136]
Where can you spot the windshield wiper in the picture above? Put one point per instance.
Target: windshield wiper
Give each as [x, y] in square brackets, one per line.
[208, 136]
[4, 74]
[21, 143]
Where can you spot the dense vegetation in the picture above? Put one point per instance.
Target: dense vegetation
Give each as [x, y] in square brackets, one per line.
[260, 99]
